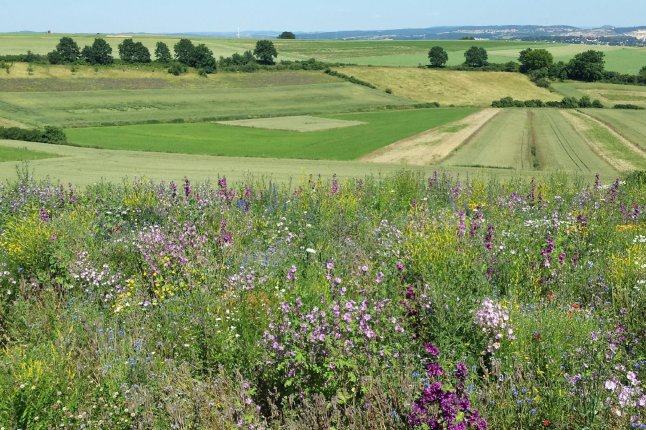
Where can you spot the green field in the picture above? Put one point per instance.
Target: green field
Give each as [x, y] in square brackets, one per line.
[380, 129]
[22, 154]
[379, 53]
[521, 139]
[85, 166]
[609, 94]
[629, 124]
[78, 108]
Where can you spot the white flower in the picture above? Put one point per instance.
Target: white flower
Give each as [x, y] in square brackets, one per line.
[310, 251]
[611, 385]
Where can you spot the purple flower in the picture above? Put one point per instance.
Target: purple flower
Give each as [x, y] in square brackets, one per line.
[432, 349]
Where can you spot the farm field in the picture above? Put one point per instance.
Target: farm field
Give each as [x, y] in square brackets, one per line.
[449, 86]
[88, 166]
[377, 53]
[16, 153]
[608, 144]
[530, 139]
[378, 129]
[77, 108]
[60, 78]
[609, 94]
[629, 124]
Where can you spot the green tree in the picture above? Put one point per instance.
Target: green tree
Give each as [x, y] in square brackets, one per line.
[587, 66]
[535, 59]
[162, 53]
[642, 72]
[184, 51]
[265, 52]
[99, 53]
[476, 57]
[66, 52]
[438, 56]
[557, 71]
[203, 59]
[133, 52]
[287, 35]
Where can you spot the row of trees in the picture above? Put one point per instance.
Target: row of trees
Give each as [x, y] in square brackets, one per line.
[474, 57]
[186, 53]
[539, 65]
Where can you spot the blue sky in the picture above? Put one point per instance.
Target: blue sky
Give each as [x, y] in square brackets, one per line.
[91, 16]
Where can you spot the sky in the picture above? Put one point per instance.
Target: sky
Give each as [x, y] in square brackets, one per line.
[162, 16]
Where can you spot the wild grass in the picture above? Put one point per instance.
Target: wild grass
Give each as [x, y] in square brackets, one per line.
[450, 87]
[323, 303]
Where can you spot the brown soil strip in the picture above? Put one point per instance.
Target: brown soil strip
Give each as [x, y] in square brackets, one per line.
[432, 146]
[581, 127]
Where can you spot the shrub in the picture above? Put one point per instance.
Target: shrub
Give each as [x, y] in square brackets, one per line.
[177, 68]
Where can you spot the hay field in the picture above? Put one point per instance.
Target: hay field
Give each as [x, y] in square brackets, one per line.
[523, 139]
[97, 107]
[628, 123]
[449, 87]
[378, 129]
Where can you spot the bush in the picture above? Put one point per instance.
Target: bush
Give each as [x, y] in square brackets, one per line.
[627, 106]
[53, 135]
[351, 79]
[566, 103]
[177, 69]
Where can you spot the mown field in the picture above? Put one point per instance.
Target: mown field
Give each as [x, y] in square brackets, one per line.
[379, 129]
[630, 124]
[376, 53]
[546, 139]
[449, 87]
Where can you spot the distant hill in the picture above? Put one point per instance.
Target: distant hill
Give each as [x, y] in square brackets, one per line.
[555, 33]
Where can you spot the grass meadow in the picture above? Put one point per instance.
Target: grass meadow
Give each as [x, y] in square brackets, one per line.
[77, 108]
[449, 87]
[407, 301]
[379, 129]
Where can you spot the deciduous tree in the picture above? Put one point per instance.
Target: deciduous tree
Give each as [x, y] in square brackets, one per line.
[265, 52]
[587, 66]
[534, 59]
[438, 56]
[133, 52]
[476, 57]
[66, 52]
[162, 53]
[287, 35]
[184, 51]
[99, 53]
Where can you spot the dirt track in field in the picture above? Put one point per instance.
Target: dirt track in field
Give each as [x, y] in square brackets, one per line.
[432, 146]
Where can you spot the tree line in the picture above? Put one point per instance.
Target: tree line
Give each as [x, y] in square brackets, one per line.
[186, 54]
[539, 65]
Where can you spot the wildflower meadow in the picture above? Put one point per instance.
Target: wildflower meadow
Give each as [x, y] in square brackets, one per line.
[442, 302]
